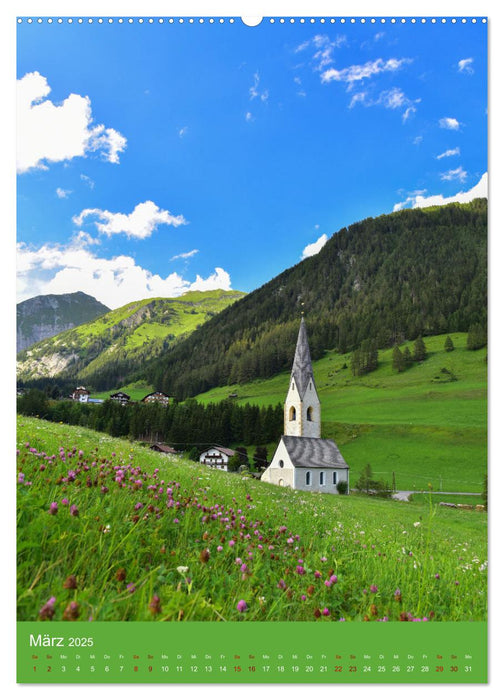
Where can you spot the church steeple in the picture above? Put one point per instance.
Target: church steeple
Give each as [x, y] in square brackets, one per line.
[302, 405]
[302, 371]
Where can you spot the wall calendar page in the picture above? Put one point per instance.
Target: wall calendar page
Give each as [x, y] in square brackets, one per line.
[251, 349]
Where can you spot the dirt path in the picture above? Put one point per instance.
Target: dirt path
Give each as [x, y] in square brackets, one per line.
[404, 495]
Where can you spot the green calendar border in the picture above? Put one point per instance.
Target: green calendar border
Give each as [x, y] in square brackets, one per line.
[197, 652]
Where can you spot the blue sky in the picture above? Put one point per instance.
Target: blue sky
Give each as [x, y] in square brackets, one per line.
[158, 158]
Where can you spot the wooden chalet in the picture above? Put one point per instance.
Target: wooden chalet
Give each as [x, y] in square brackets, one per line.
[121, 397]
[217, 457]
[157, 397]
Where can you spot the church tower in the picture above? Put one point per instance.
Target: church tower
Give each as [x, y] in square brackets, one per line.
[302, 404]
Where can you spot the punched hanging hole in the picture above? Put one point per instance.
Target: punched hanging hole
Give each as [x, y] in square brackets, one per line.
[252, 21]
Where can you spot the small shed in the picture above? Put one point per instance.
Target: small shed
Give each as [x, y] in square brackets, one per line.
[163, 448]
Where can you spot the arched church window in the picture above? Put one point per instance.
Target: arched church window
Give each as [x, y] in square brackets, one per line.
[309, 413]
[322, 479]
[292, 413]
[308, 478]
[335, 477]
[281, 463]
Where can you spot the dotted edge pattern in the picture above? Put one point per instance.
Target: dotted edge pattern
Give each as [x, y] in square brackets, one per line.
[265, 20]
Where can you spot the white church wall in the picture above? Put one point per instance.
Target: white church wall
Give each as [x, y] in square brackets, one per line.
[278, 474]
[327, 487]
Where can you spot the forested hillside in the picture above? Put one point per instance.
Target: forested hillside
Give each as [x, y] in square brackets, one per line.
[416, 271]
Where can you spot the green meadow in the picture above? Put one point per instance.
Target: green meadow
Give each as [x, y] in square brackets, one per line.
[109, 530]
[426, 425]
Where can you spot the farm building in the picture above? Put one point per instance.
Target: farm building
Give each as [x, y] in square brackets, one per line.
[157, 397]
[164, 449]
[217, 457]
[121, 397]
[80, 394]
[303, 460]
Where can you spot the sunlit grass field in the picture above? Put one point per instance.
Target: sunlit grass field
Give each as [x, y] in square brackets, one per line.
[108, 530]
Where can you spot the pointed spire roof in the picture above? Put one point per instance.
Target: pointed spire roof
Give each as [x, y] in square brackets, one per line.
[302, 371]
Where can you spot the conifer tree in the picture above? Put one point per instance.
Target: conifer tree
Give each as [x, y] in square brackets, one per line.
[398, 359]
[419, 350]
[476, 337]
[449, 346]
[407, 357]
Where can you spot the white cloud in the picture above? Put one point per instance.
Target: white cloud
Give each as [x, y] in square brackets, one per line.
[465, 66]
[356, 98]
[56, 269]
[390, 99]
[356, 73]
[314, 248]
[419, 201]
[50, 133]
[62, 194]
[90, 183]
[449, 123]
[255, 92]
[142, 221]
[324, 49]
[249, 117]
[448, 153]
[183, 131]
[457, 174]
[417, 140]
[184, 256]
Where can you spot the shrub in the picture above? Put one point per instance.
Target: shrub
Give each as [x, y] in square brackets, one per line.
[342, 487]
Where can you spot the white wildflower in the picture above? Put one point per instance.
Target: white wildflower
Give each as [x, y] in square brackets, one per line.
[182, 569]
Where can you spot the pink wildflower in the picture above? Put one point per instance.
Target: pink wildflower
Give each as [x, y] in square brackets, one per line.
[242, 606]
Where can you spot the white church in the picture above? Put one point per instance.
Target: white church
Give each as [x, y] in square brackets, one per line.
[303, 460]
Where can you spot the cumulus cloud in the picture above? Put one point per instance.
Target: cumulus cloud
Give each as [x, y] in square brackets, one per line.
[249, 117]
[314, 248]
[58, 269]
[449, 123]
[465, 66]
[448, 153]
[416, 200]
[142, 221]
[62, 194]
[51, 133]
[356, 73]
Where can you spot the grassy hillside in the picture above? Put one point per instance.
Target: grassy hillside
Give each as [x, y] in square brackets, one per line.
[415, 423]
[107, 530]
[102, 352]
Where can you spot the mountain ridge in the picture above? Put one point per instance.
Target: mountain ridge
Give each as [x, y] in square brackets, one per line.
[46, 315]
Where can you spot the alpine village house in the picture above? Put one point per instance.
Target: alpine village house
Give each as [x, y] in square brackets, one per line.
[303, 460]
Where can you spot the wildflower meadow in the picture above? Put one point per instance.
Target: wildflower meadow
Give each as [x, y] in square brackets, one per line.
[107, 530]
